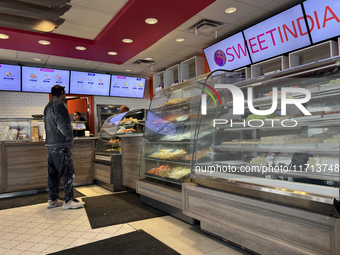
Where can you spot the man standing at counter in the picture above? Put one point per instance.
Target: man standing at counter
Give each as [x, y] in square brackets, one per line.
[59, 141]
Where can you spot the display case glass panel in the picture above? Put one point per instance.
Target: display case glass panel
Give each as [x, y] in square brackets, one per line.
[115, 126]
[170, 130]
[22, 130]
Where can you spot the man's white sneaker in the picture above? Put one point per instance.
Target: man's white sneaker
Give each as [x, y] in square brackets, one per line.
[55, 203]
[73, 204]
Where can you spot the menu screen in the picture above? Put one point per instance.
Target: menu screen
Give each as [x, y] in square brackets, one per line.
[323, 19]
[42, 80]
[10, 77]
[127, 86]
[229, 54]
[282, 33]
[90, 83]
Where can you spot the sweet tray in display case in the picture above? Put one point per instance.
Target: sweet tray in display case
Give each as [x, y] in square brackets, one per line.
[109, 137]
[22, 130]
[292, 151]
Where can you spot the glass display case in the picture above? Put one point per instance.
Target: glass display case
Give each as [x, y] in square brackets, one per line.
[106, 111]
[109, 141]
[22, 130]
[294, 146]
[170, 129]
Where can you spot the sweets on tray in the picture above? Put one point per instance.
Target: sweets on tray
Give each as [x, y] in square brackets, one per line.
[175, 155]
[135, 121]
[277, 139]
[199, 154]
[158, 169]
[167, 172]
[159, 153]
[180, 173]
[114, 141]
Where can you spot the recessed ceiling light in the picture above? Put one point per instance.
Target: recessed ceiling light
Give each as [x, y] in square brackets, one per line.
[44, 42]
[148, 58]
[127, 70]
[112, 53]
[151, 21]
[180, 39]
[230, 10]
[37, 59]
[80, 48]
[3, 36]
[127, 40]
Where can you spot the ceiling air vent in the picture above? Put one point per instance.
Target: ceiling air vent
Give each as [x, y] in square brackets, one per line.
[143, 62]
[205, 27]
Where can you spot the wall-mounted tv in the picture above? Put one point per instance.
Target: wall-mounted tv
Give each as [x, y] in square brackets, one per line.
[122, 86]
[35, 79]
[90, 83]
[279, 34]
[323, 19]
[228, 54]
[10, 77]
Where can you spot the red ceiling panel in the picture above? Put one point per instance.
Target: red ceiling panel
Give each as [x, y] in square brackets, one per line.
[128, 23]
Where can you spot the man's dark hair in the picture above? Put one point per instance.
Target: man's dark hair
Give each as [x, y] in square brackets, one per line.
[125, 108]
[57, 90]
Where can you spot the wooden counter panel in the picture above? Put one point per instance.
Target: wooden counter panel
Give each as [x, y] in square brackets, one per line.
[83, 154]
[131, 152]
[25, 167]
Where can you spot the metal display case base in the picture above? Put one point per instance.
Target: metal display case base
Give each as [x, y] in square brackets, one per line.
[260, 226]
[173, 211]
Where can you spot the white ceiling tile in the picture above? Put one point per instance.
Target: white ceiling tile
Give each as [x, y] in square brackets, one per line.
[190, 51]
[185, 26]
[257, 3]
[227, 31]
[189, 37]
[165, 48]
[87, 17]
[255, 17]
[174, 59]
[28, 57]
[279, 5]
[109, 6]
[216, 12]
[73, 63]
[77, 31]
[156, 56]
[8, 54]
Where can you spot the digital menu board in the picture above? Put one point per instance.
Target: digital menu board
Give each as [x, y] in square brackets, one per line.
[282, 33]
[36, 79]
[229, 54]
[10, 77]
[122, 86]
[90, 83]
[323, 19]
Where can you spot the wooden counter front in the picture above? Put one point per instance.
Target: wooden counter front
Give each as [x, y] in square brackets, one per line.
[24, 165]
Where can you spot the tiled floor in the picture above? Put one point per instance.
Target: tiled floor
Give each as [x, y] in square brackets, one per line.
[37, 230]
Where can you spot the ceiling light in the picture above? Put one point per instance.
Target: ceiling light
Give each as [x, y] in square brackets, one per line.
[230, 10]
[127, 70]
[44, 42]
[3, 36]
[112, 53]
[180, 39]
[80, 48]
[127, 40]
[151, 21]
[148, 58]
[37, 59]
